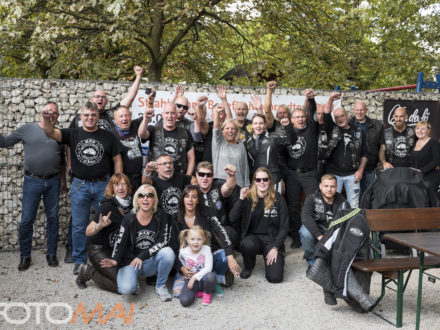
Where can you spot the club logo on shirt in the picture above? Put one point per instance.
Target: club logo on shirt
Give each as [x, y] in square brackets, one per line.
[170, 147]
[297, 150]
[89, 152]
[400, 147]
[132, 144]
[144, 239]
[170, 200]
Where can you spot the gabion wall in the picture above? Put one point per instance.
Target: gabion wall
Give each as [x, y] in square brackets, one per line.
[20, 102]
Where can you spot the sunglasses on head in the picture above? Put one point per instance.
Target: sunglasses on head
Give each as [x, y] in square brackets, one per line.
[266, 179]
[146, 195]
[203, 174]
[185, 107]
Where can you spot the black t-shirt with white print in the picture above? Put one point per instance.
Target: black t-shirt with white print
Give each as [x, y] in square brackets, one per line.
[401, 152]
[169, 191]
[91, 153]
[131, 148]
[304, 153]
[172, 145]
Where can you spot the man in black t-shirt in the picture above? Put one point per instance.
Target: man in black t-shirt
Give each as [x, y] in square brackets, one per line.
[167, 138]
[302, 160]
[105, 121]
[93, 153]
[131, 134]
[397, 142]
[168, 183]
[218, 196]
[347, 153]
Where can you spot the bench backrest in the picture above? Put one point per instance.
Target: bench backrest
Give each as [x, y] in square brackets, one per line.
[403, 219]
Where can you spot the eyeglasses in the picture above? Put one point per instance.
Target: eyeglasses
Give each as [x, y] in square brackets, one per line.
[266, 179]
[89, 115]
[185, 107]
[100, 97]
[203, 174]
[166, 163]
[120, 184]
[146, 195]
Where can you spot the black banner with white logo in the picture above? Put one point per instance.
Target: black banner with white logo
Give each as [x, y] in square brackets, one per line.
[416, 110]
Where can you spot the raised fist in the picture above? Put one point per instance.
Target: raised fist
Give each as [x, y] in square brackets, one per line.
[201, 100]
[230, 170]
[272, 85]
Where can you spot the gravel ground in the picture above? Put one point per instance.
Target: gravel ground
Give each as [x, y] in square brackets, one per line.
[296, 303]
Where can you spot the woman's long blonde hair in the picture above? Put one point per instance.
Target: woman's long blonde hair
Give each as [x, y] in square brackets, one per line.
[252, 194]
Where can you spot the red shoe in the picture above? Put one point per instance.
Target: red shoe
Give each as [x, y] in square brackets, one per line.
[206, 299]
[199, 294]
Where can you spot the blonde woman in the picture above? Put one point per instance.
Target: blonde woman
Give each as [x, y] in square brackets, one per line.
[262, 213]
[425, 155]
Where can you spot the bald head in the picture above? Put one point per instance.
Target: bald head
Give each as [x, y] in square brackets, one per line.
[182, 106]
[360, 111]
[399, 117]
[169, 116]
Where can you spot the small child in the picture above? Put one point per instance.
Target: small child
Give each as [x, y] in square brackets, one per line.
[196, 256]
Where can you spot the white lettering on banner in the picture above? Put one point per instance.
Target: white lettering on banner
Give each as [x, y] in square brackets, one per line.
[163, 97]
[413, 118]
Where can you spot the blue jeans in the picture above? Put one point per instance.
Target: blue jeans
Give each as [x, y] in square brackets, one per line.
[82, 195]
[160, 265]
[367, 179]
[308, 242]
[33, 188]
[351, 189]
[220, 265]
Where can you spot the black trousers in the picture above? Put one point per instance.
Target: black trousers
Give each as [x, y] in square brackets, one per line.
[296, 184]
[251, 246]
[105, 278]
[135, 181]
[206, 285]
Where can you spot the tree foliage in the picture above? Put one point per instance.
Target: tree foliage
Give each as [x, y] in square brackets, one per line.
[369, 44]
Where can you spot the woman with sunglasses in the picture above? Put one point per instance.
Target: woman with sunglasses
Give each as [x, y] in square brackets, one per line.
[191, 213]
[102, 233]
[262, 213]
[143, 245]
[226, 149]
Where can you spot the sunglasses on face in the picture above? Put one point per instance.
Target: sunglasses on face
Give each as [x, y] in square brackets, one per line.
[266, 179]
[203, 174]
[185, 107]
[146, 195]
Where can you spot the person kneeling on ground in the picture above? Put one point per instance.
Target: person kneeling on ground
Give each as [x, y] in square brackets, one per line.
[264, 219]
[142, 246]
[102, 233]
[318, 212]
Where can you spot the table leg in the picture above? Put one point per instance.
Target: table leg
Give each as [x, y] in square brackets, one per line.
[419, 291]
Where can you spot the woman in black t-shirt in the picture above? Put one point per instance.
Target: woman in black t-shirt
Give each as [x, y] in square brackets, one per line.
[425, 156]
[190, 214]
[102, 233]
[262, 213]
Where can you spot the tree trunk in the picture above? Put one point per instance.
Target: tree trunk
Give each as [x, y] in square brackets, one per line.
[154, 72]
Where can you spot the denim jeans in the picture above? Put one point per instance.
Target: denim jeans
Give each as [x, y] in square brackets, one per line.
[33, 189]
[160, 265]
[367, 179]
[308, 242]
[82, 195]
[351, 189]
[220, 265]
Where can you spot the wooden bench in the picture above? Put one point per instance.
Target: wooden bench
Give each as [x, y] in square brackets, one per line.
[394, 269]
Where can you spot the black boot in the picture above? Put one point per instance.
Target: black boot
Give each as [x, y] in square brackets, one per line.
[68, 258]
[329, 297]
[24, 263]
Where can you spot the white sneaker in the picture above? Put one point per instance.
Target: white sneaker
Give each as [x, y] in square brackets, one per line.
[163, 293]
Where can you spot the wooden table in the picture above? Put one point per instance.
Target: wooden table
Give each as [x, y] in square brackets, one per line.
[425, 242]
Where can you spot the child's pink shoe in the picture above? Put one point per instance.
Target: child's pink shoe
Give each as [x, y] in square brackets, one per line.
[206, 299]
[199, 294]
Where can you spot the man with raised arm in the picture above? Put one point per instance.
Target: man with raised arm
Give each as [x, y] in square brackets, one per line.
[93, 153]
[44, 176]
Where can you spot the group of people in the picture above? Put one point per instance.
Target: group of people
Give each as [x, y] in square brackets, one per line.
[208, 188]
